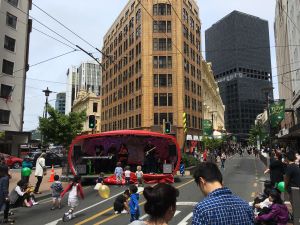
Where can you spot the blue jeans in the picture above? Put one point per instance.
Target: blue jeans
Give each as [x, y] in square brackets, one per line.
[134, 217]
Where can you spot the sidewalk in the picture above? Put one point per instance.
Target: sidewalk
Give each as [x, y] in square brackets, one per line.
[45, 185]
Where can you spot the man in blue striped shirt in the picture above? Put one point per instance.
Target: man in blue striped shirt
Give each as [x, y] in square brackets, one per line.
[220, 206]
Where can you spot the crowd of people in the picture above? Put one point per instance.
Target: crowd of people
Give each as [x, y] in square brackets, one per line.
[220, 205]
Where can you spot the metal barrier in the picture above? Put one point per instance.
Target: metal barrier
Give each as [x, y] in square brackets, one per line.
[296, 205]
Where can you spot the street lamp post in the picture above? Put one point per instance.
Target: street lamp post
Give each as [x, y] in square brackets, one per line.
[266, 91]
[47, 93]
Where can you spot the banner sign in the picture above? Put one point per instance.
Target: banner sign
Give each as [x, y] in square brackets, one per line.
[207, 127]
[276, 111]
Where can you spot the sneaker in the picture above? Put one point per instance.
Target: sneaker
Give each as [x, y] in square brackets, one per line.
[35, 203]
[52, 208]
[124, 211]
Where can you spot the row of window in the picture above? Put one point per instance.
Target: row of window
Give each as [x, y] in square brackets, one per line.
[161, 26]
[162, 44]
[122, 91]
[127, 123]
[196, 105]
[162, 62]
[193, 121]
[161, 9]
[191, 85]
[130, 105]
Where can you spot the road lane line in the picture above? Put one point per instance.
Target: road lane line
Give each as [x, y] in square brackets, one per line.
[146, 215]
[186, 203]
[114, 216]
[91, 206]
[185, 219]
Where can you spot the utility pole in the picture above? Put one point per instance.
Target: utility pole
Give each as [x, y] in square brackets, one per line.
[47, 93]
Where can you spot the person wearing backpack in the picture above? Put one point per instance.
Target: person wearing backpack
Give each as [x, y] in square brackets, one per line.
[56, 190]
[75, 189]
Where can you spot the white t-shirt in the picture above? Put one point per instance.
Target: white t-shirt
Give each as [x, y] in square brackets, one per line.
[73, 193]
[127, 173]
[139, 174]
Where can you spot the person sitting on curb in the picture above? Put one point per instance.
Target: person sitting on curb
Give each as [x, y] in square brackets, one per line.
[278, 212]
[22, 195]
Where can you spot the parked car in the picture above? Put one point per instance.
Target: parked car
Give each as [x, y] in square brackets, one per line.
[51, 158]
[12, 161]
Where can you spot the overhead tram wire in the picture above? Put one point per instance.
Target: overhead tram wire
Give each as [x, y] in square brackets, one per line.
[77, 35]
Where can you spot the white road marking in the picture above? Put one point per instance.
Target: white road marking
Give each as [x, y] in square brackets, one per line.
[89, 207]
[146, 215]
[186, 203]
[185, 219]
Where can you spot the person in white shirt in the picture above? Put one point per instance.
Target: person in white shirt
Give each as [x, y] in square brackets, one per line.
[39, 172]
[127, 175]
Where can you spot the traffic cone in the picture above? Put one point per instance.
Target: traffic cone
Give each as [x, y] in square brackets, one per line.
[51, 179]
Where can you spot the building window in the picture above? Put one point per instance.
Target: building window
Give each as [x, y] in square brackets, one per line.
[162, 80]
[138, 16]
[161, 9]
[7, 67]
[5, 91]
[138, 32]
[160, 117]
[162, 26]
[162, 44]
[95, 107]
[13, 2]
[162, 62]
[4, 116]
[163, 99]
[9, 43]
[11, 20]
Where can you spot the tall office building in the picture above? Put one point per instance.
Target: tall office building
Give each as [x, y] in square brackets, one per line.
[287, 23]
[239, 50]
[60, 102]
[153, 68]
[15, 27]
[86, 77]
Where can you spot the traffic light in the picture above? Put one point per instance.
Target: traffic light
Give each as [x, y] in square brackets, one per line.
[92, 121]
[167, 127]
[184, 122]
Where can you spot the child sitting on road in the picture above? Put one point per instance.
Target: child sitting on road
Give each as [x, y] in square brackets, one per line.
[118, 173]
[134, 203]
[127, 175]
[99, 181]
[139, 175]
[121, 203]
[75, 189]
[56, 190]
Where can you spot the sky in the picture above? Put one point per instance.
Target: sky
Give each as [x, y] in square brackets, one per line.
[91, 19]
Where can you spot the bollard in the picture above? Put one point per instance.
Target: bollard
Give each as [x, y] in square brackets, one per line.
[296, 205]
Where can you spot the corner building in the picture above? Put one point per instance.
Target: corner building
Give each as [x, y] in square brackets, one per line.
[153, 68]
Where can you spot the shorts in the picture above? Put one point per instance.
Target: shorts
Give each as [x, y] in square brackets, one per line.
[73, 203]
[56, 198]
[119, 178]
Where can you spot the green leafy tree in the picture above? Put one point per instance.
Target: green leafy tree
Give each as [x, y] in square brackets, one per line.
[61, 129]
[212, 143]
[257, 132]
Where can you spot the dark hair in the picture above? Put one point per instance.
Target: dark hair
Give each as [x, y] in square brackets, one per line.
[126, 192]
[133, 188]
[76, 179]
[291, 156]
[22, 183]
[208, 171]
[159, 199]
[275, 194]
[56, 177]
[3, 170]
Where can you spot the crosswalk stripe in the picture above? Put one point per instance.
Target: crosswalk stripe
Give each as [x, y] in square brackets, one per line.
[185, 219]
[146, 215]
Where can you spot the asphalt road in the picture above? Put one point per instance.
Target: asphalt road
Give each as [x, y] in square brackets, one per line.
[243, 175]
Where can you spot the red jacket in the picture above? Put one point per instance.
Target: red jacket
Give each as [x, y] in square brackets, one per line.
[69, 187]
